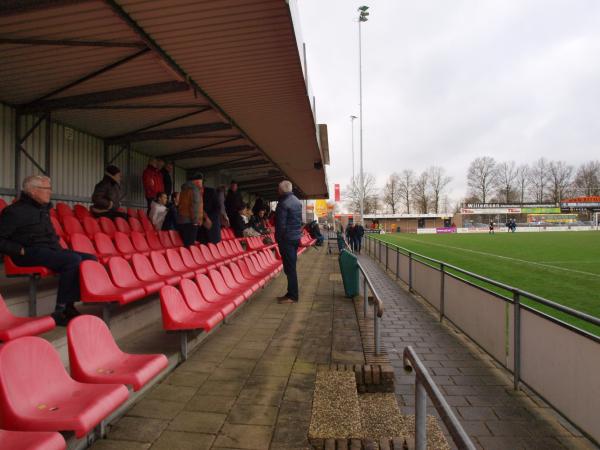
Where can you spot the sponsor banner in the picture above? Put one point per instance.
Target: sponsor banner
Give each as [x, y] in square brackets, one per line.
[491, 210]
[320, 208]
[336, 190]
[507, 205]
[445, 230]
[540, 210]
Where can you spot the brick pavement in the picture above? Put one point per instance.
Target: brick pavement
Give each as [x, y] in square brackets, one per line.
[478, 389]
[250, 384]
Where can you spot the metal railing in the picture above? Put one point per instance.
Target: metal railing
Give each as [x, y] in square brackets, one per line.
[424, 385]
[516, 295]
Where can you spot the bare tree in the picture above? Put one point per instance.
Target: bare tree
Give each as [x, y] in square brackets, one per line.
[561, 177]
[437, 181]
[522, 182]
[587, 179]
[420, 193]
[507, 176]
[481, 178]
[391, 193]
[353, 194]
[405, 188]
[538, 179]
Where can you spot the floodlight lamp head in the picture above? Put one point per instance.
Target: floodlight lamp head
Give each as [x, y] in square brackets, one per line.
[363, 8]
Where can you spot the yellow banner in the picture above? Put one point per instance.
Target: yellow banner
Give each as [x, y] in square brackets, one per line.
[321, 208]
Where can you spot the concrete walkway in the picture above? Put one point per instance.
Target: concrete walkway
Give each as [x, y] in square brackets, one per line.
[480, 392]
[250, 384]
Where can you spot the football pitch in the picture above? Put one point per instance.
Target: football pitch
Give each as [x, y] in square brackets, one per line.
[560, 266]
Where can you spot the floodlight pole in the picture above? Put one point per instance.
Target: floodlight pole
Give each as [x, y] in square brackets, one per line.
[352, 118]
[362, 17]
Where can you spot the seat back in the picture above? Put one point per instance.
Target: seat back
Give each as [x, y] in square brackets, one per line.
[218, 282]
[2, 204]
[135, 225]
[192, 295]
[91, 345]
[91, 226]
[175, 238]
[94, 279]
[5, 314]
[230, 248]
[236, 244]
[104, 245]
[108, 226]
[153, 240]
[206, 253]
[133, 212]
[30, 370]
[165, 239]
[63, 210]
[81, 243]
[207, 289]
[223, 251]
[175, 260]
[187, 258]
[81, 212]
[122, 225]
[71, 225]
[250, 267]
[257, 264]
[173, 307]
[121, 273]
[146, 223]
[230, 281]
[123, 243]
[214, 251]
[160, 264]
[237, 273]
[139, 242]
[197, 255]
[143, 268]
[57, 227]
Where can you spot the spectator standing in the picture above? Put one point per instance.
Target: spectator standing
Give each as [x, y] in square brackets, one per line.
[233, 202]
[350, 235]
[358, 236]
[106, 199]
[167, 175]
[210, 231]
[190, 212]
[221, 192]
[28, 237]
[158, 211]
[170, 222]
[288, 226]
[152, 180]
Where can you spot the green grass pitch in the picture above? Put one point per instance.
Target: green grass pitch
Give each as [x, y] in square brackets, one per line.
[560, 266]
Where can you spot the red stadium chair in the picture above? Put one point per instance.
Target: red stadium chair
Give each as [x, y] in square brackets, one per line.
[189, 262]
[224, 290]
[176, 263]
[208, 256]
[122, 275]
[214, 251]
[175, 238]
[81, 212]
[165, 239]
[225, 254]
[32, 440]
[108, 226]
[139, 242]
[249, 271]
[34, 273]
[63, 210]
[162, 268]
[81, 243]
[148, 227]
[199, 257]
[122, 225]
[71, 225]
[37, 394]
[136, 225]
[195, 301]
[2, 204]
[177, 316]
[123, 244]
[133, 212]
[95, 357]
[91, 227]
[230, 282]
[225, 305]
[153, 241]
[145, 272]
[58, 229]
[239, 277]
[105, 246]
[12, 327]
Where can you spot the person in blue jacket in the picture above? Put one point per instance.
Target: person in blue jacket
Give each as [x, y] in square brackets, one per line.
[288, 226]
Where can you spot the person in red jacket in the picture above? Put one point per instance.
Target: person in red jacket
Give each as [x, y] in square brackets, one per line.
[153, 181]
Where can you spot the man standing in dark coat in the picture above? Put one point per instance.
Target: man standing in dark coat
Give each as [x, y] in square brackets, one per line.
[167, 174]
[233, 203]
[288, 226]
[28, 237]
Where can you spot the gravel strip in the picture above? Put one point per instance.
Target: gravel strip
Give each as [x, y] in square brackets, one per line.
[435, 436]
[380, 416]
[336, 411]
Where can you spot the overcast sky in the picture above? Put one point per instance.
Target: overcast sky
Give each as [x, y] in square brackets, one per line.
[446, 81]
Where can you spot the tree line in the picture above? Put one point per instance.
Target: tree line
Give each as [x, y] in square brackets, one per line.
[488, 181]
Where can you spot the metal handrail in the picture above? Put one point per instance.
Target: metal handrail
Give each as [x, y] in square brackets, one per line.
[425, 384]
[544, 301]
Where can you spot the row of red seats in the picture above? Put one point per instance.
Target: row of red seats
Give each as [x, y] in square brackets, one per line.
[56, 401]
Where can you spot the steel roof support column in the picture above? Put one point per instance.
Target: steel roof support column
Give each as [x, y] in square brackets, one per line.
[17, 178]
[48, 148]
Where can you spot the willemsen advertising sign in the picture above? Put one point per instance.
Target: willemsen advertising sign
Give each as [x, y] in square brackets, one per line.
[444, 230]
[511, 210]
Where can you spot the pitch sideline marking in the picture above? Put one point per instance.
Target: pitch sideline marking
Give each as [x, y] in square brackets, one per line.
[549, 266]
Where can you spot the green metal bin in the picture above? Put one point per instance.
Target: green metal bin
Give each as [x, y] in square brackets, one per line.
[349, 270]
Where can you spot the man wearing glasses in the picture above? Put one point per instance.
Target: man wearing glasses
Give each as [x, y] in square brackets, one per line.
[28, 237]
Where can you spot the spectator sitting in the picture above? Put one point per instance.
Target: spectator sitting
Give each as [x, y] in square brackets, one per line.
[106, 198]
[259, 204]
[28, 237]
[158, 211]
[315, 232]
[258, 222]
[239, 222]
[152, 180]
[171, 217]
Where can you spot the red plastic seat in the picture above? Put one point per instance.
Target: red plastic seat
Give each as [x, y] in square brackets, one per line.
[123, 244]
[199, 257]
[12, 270]
[108, 226]
[230, 292]
[133, 212]
[148, 227]
[145, 272]
[122, 225]
[58, 229]
[154, 242]
[95, 357]
[81, 243]
[135, 224]
[195, 301]
[239, 277]
[71, 225]
[81, 212]
[209, 294]
[96, 286]
[105, 246]
[2, 204]
[249, 272]
[189, 261]
[224, 250]
[122, 275]
[231, 282]
[139, 242]
[237, 245]
[214, 251]
[165, 239]
[176, 263]
[63, 210]
[91, 227]
[12, 327]
[208, 256]
[32, 440]
[162, 267]
[175, 238]
[232, 249]
[36, 392]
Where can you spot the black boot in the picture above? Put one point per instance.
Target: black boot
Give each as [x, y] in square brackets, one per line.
[71, 312]
[60, 317]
